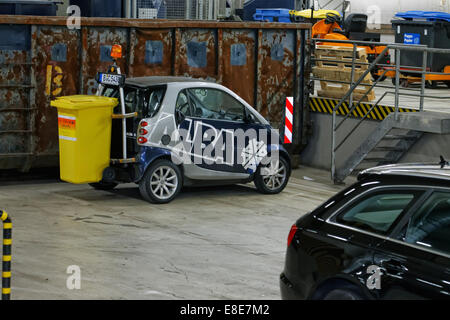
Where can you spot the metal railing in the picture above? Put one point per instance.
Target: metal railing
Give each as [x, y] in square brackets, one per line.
[397, 68]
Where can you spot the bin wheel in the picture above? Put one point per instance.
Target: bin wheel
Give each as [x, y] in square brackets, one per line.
[404, 83]
[393, 81]
[103, 185]
[431, 84]
[161, 182]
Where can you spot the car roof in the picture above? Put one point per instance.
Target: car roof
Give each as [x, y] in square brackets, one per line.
[417, 170]
[159, 80]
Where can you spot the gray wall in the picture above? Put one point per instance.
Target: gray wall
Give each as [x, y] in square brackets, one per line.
[318, 152]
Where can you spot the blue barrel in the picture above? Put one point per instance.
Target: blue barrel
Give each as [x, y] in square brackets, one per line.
[272, 15]
[99, 8]
[251, 6]
[34, 8]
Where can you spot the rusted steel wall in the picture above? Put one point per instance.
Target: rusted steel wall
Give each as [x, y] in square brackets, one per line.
[40, 59]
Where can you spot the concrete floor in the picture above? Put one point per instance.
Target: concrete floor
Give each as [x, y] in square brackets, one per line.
[209, 243]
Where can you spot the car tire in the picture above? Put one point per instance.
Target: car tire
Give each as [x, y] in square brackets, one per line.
[342, 294]
[103, 185]
[161, 182]
[267, 181]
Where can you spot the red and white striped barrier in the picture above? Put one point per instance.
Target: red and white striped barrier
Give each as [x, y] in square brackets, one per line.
[288, 120]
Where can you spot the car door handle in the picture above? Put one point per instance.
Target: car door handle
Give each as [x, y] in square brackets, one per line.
[394, 265]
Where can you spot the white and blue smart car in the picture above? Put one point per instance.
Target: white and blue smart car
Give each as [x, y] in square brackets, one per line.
[190, 132]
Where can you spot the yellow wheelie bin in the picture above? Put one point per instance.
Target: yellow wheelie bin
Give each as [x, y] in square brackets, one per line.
[84, 128]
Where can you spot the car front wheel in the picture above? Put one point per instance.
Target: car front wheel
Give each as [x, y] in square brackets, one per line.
[161, 183]
[272, 178]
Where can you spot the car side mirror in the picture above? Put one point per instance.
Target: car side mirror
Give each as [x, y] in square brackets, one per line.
[179, 116]
[249, 118]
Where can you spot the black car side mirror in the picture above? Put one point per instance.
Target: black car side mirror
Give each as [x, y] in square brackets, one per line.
[249, 118]
[179, 117]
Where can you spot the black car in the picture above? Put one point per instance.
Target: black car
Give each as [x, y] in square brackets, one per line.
[385, 237]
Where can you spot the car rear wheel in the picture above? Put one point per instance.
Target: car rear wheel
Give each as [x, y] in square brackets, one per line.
[272, 178]
[103, 185]
[161, 182]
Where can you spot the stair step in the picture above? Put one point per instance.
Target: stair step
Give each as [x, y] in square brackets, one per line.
[375, 159]
[398, 137]
[396, 149]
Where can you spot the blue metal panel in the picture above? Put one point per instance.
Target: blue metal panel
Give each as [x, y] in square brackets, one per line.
[105, 53]
[147, 156]
[196, 54]
[15, 37]
[154, 51]
[59, 52]
[238, 54]
[277, 52]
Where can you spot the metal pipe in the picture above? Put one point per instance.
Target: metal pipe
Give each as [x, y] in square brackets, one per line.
[134, 9]
[124, 120]
[333, 145]
[361, 78]
[359, 123]
[352, 75]
[6, 263]
[397, 81]
[422, 82]
[359, 101]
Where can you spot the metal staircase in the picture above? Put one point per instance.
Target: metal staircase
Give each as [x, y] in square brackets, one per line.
[398, 132]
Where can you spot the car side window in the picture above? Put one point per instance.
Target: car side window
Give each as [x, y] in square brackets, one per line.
[209, 103]
[130, 97]
[183, 104]
[378, 211]
[429, 226]
[152, 101]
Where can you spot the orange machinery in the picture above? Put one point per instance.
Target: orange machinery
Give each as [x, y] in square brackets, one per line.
[354, 25]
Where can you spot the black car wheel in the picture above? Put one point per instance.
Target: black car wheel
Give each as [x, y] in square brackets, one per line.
[103, 185]
[161, 183]
[342, 294]
[272, 178]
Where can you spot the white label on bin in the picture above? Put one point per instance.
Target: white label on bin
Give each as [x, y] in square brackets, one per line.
[67, 138]
[67, 127]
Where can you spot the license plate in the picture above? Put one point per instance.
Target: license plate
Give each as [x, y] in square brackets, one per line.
[111, 79]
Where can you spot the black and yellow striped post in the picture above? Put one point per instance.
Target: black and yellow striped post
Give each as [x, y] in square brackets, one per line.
[6, 263]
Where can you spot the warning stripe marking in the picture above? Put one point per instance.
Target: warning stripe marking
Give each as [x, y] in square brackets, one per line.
[379, 113]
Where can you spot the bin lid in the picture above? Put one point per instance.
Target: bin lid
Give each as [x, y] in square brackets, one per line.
[78, 102]
[317, 14]
[428, 15]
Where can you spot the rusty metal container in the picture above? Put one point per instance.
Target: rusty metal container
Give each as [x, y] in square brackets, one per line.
[41, 58]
